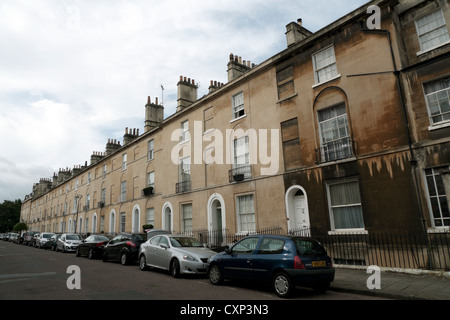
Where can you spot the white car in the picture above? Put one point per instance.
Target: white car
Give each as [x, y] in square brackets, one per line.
[42, 239]
[68, 242]
[177, 254]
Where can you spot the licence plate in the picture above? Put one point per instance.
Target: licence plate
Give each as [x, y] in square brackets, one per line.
[319, 264]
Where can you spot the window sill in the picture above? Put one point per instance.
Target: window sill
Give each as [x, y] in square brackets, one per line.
[238, 118]
[433, 48]
[287, 98]
[438, 230]
[347, 232]
[439, 126]
[325, 82]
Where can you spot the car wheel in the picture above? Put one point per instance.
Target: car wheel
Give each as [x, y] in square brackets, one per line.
[77, 253]
[91, 254]
[124, 259]
[215, 275]
[142, 263]
[175, 268]
[105, 256]
[282, 285]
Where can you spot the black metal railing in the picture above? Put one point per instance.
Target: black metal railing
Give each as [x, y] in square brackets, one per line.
[218, 239]
[240, 173]
[184, 186]
[406, 251]
[335, 150]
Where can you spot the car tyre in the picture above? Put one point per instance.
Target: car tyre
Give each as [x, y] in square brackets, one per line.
[105, 257]
[175, 268]
[215, 275]
[282, 284]
[77, 252]
[124, 259]
[143, 263]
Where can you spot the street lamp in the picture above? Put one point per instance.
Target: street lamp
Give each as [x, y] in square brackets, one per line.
[77, 198]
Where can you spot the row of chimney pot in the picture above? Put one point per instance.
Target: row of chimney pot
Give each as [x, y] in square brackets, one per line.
[187, 80]
[135, 132]
[239, 60]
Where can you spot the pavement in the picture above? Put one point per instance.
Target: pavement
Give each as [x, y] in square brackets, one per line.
[399, 284]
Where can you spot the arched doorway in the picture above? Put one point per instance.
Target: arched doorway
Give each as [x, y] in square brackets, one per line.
[136, 219]
[216, 219]
[167, 217]
[112, 222]
[297, 211]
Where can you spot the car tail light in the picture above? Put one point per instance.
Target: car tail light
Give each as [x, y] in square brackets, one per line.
[298, 264]
[131, 244]
[101, 244]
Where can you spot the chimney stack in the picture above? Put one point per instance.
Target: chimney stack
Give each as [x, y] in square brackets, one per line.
[154, 115]
[129, 136]
[187, 93]
[295, 32]
[237, 67]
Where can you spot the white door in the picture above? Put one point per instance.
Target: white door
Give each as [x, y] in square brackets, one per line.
[301, 212]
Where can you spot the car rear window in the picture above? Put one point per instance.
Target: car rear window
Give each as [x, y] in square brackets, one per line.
[307, 247]
[271, 246]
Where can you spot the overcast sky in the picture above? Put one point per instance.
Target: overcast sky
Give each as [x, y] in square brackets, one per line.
[74, 73]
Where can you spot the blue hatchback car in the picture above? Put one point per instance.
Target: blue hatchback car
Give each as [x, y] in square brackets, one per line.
[283, 261]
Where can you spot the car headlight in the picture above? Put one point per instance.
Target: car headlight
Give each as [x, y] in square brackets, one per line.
[189, 258]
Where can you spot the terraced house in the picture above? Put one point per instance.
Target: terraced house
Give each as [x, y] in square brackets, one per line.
[346, 130]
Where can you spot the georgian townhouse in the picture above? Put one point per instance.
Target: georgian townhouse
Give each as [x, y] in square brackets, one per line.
[346, 130]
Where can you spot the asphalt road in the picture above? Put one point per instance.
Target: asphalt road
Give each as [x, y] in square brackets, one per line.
[28, 273]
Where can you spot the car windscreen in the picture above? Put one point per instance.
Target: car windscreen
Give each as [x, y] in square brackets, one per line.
[185, 242]
[72, 237]
[49, 235]
[307, 247]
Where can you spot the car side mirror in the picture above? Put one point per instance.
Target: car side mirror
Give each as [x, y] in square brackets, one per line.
[164, 246]
[227, 250]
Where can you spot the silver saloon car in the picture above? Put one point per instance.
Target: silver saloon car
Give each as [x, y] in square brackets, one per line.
[175, 253]
[68, 242]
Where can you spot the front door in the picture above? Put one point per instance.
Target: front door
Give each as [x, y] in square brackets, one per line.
[301, 212]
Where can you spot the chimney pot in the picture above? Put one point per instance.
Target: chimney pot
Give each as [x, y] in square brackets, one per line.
[148, 100]
[156, 100]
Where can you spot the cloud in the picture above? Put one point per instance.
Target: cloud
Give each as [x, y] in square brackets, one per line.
[77, 72]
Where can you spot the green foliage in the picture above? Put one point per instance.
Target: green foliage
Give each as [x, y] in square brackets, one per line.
[9, 215]
[21, 226]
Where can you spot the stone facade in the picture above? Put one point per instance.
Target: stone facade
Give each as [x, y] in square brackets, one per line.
[351, 141]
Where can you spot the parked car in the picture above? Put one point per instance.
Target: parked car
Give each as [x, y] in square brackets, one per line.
[92, 246]
[51, 243]
[68, 242]
[175, 253]
[282, 261]
[124, 248]
[28, 237]
[13, 237]
[42, 239]
[33, 239]
[154, 232]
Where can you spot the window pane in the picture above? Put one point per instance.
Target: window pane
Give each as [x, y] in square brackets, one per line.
[345, 194]
[348, 218]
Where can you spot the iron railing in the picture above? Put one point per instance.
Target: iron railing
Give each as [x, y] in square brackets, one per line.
[240, 173]
[218, 239]
[335, 150]
[405, 251]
